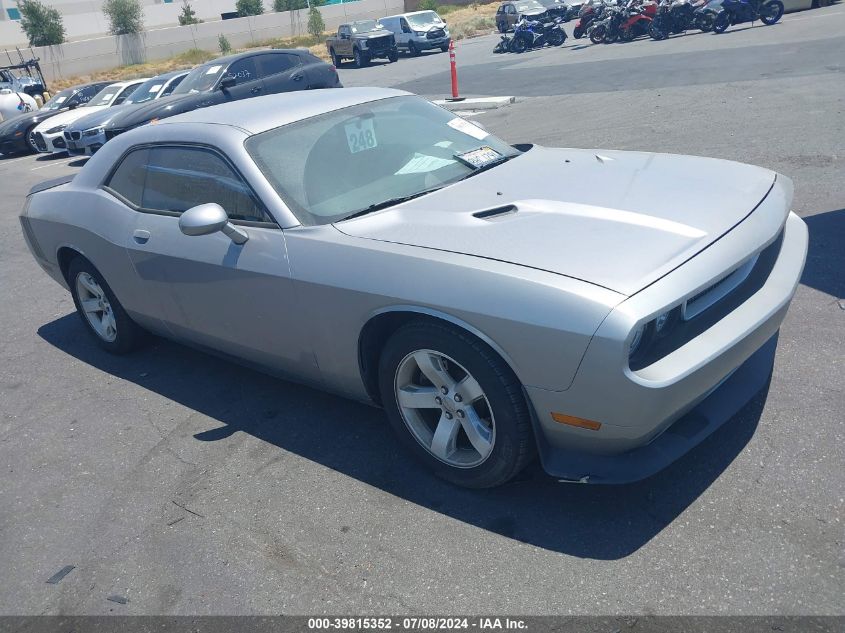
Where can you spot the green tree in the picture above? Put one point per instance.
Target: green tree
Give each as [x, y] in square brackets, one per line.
[42, 24]
[316, 26]
[249, 7]
[125, 16]
[223, 44]
[188, 15]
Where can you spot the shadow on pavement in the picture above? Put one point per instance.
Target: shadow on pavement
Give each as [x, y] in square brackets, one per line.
[825, 268]
[599, 522]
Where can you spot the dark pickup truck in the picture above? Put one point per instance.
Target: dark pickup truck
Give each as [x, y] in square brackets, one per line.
[362, 41]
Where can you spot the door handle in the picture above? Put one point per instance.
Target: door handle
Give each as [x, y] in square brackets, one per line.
[141, 236]
[297, 77]
[255, 90]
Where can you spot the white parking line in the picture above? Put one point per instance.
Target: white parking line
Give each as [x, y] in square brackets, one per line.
[14, 160]
[58, 162]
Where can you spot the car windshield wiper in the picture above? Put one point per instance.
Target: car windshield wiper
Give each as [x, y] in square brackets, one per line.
[389, 203]
[478, 170]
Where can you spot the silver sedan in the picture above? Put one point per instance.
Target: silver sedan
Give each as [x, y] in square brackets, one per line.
[603, 310]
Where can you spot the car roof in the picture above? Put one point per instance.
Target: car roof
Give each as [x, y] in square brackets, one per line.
[127, 82]
[265, 113]
[402, 15]
[172, 73]
[230, 58]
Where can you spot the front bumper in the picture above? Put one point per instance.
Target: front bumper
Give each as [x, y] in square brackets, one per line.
[50, 143]
[425, 44]
[14, 145]
[652, 416]
[85, 145]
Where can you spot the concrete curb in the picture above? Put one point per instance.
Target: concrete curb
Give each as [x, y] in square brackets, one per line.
[476, 103]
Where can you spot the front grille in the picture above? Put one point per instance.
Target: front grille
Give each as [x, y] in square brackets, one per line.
[380, 43]
[39, 141]
[436, 34]
[76, 135]
[59, 143]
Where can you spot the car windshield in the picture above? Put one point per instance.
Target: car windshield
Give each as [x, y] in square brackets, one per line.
[426, 18]
[104, 97]
[528, 5]
[59, 100]
[147, 91]
[354, 160]
[365, 26]
[201, 79]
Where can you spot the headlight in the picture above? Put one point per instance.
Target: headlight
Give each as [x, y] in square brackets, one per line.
[95, 131]
[56, 130]
[637, 339]
[649, 334]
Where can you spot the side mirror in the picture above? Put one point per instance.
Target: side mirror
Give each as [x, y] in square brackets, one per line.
[228, 82]
[205, 219]
[72, 106]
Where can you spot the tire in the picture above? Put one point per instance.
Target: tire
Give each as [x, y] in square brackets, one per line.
[444, 49]
[656, 33]
[556, 37]
[336, 60]
[721, 23]
[393, 57]
[361, 60]
[597, 34]
[518, 45]
[771, 12]
[578, 33]
[626, 35]
[502, 27]
[413, 51]
[705, 22]
[119, 334]
[503, 441]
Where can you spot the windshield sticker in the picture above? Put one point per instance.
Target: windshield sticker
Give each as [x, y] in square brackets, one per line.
[444, 144]
[422, 164]
[360, 135]
[467, 128]
[106, 97]
[61, 99]
[156, 87]
[214, 70]
[481, 157]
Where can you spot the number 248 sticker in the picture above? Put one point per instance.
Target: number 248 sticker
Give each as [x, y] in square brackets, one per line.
[360, 135]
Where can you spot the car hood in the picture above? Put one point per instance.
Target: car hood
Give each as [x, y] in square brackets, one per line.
[533, 12]
[25, 120]
[371, 34]
[620, 220]
[140, 113]
[96, 119]
[67, 117]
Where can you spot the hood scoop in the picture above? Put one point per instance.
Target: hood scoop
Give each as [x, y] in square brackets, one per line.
[495, 213]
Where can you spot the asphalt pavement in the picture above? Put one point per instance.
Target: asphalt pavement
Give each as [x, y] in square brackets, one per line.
[189, 485]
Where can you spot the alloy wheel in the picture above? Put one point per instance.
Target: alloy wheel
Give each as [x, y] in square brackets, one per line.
[96, 307]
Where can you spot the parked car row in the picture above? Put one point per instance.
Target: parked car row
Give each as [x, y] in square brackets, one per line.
[80, 120]
[365, 40]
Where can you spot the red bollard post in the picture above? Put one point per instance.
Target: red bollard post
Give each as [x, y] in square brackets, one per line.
[455, 96]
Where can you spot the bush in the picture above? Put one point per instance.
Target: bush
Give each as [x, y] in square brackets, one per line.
[428, 5]
[316, 26]
[290, 5]
[125, 16]
[188, 16]
[223, 44]
[42, 24]
[249, 7]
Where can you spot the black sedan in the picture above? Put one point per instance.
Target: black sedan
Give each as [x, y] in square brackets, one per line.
[232, 78]
[14, 132]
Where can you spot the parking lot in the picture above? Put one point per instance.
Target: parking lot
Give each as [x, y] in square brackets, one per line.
[189, 485]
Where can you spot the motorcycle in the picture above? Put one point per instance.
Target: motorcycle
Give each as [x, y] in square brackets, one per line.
[606, 29]
[637, 21]
[590, 11]
[678, 16]
[535, 34]
[728, 12]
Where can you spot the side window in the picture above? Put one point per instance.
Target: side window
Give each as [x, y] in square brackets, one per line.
[179, 178]
[501, 9]
[243, 70]
[169, 87]
[124, 94]
[275, 63]
[128, 179]
[404, 24]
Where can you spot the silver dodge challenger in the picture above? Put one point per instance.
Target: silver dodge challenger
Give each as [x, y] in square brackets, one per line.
[603, 310]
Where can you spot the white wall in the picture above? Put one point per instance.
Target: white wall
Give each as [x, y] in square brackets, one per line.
[84, 57]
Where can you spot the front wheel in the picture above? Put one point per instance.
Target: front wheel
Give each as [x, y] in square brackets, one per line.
[444, 48]
[503, 28]
[626, 35]
[100, 311]
[771, 12]
[578, 33]
[393, 56]
[597, 34]
[518, 45]
[361, 59]
[455, 404]
[721, 23]
[705, 22]
[655, 32]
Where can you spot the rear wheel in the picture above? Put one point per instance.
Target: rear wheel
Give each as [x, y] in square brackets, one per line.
[771, 12]
[336, 60]
[455, 405]
[503, 28]
[597, 34]
[721, 23]
[626, 35]
[518, 45]
[705, 22]
[578, 33]
[413, 50]
[444, 48]
[655, 32]
[100, 311]
[393, 56]
[556, 37]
